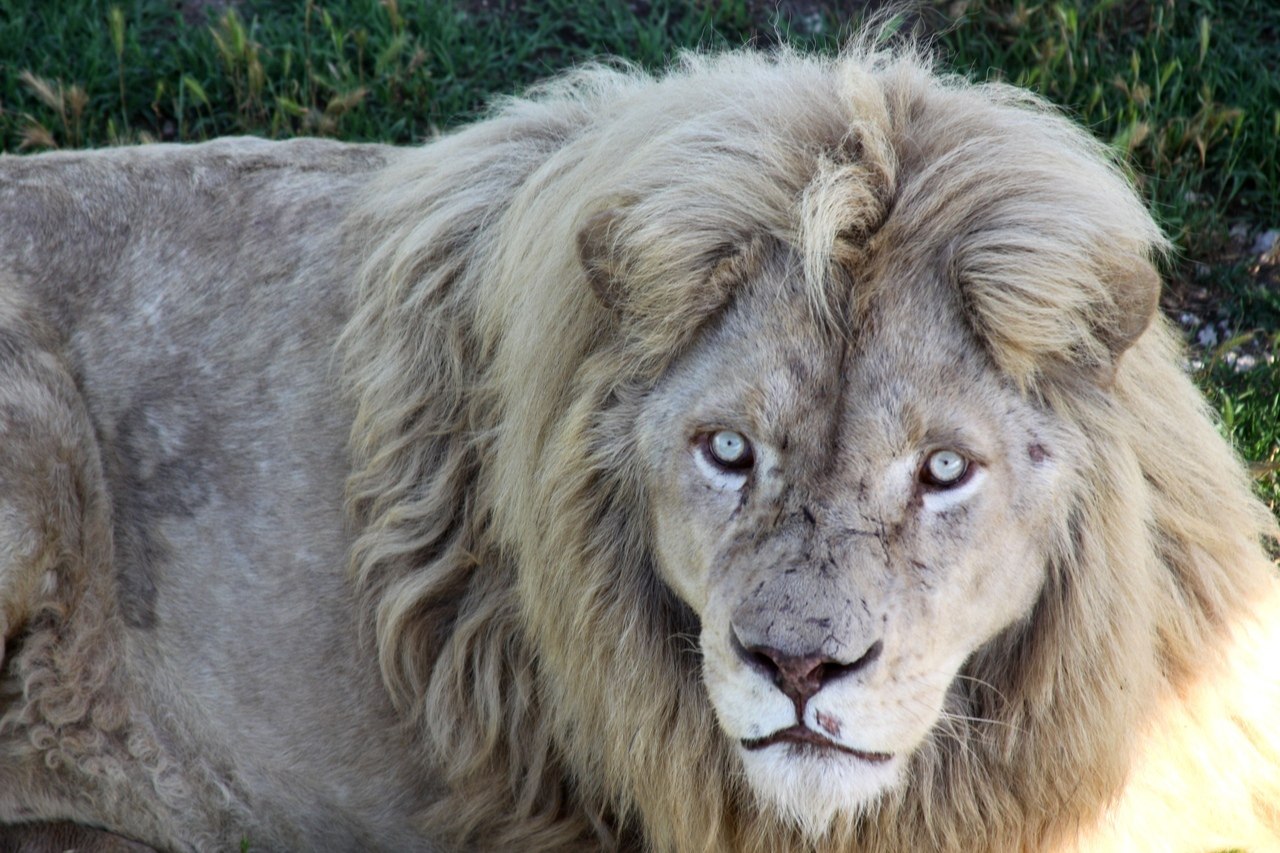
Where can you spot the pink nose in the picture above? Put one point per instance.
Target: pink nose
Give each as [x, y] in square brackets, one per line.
[800, 676]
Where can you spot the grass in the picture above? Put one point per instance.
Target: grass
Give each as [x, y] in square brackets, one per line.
[1190, 93]
[1186, 90]
[98, 73]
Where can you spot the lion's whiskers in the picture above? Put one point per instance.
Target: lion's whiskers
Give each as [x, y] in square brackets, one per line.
[983, 683]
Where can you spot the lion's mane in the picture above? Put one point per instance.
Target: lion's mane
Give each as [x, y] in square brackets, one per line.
[504, 554]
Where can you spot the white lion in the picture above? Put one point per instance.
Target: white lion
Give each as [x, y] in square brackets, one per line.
[784, 452]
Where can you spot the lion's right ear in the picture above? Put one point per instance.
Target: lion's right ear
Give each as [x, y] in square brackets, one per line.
[600, 256]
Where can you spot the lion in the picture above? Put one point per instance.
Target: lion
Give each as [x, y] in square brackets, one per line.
[778, 452]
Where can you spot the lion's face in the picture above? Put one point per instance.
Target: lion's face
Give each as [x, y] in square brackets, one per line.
[851, 517]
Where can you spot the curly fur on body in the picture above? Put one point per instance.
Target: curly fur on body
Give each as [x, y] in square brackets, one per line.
[525, 289]
[505, 558]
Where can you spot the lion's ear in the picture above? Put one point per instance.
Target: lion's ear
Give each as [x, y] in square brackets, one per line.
[599, 254]
[1069, 323]
[1135, 290]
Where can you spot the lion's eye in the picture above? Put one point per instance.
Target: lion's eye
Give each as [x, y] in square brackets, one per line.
[944, 468]
[730, 450]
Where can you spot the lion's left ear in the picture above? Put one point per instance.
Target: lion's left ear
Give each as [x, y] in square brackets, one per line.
[1135, 290]
[1064, 321]
[600, 256]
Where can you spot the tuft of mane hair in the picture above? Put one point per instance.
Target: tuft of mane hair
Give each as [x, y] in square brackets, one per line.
[503, 556]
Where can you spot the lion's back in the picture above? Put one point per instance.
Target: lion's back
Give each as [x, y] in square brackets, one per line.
[195, 294]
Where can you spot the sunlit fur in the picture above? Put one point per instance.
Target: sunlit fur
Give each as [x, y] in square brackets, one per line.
[504, 557]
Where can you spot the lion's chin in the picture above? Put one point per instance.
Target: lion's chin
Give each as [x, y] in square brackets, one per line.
[810, 786]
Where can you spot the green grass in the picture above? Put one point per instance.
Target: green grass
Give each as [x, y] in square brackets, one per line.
[1186, 90]
[1181, 88]
[359, 69]
[1249, 406]
[1189, 91]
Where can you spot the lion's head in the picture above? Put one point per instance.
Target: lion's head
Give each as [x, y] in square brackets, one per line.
[778, 449]
[850, 517]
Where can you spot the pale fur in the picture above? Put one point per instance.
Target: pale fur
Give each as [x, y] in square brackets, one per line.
[503, 546]
[566, 662]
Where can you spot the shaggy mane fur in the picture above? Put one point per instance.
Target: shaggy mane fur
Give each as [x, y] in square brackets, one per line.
[505, 558]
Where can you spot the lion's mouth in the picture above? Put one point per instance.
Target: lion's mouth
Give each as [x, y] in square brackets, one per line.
[806, 738]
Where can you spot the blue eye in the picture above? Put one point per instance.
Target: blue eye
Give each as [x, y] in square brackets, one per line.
[730, 450]
[944, 468]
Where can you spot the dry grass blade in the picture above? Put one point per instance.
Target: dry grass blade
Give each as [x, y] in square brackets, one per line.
[47, 92]
[36, 135]
[1258, 470]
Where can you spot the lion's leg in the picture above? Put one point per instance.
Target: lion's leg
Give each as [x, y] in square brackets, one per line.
[54, 531]
[61, 715]
[49, 487]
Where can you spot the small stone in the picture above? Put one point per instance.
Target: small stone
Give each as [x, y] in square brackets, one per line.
[1265, 242]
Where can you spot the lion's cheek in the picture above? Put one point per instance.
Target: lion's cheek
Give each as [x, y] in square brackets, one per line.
[997, 588]
[747, 705]
[963, 596]
[682, 560]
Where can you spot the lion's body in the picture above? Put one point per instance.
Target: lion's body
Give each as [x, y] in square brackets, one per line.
[439, 581]
[203, 385]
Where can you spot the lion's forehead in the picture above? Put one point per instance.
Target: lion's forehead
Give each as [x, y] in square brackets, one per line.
[878, 384]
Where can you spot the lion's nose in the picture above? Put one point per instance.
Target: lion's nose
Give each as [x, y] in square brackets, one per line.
[800, 676]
